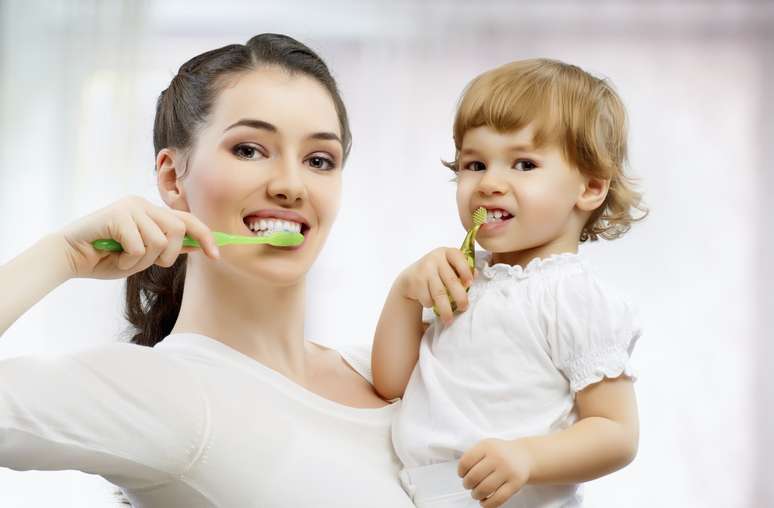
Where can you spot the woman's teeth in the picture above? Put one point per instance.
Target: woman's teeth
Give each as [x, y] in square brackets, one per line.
[264, 227]
[497, 215]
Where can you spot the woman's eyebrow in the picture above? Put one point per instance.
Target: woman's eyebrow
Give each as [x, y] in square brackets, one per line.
[325, 136]
[260, 124]
[254, 123]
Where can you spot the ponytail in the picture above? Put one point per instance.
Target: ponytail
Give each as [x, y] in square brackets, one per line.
[153, 299]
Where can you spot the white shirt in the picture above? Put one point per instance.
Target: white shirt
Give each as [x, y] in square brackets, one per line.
[194, 423]
[510, 365]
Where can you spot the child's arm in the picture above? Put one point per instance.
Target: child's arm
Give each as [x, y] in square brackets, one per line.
[603, 440]
[423, 284]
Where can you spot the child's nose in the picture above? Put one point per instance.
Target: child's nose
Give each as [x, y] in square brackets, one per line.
[491, 182]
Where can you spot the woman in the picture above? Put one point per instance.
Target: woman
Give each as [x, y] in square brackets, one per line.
[232, 406]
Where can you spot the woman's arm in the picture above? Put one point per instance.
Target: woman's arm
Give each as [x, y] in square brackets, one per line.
[425, 283]
[603, 440]
[30, 276]
[149, 235]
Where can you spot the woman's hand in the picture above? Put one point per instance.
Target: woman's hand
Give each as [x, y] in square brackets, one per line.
[495, 469]
[149, 235]
[430, 281]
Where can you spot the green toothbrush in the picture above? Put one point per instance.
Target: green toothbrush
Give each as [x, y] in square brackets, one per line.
[468, 248]
[278, 239]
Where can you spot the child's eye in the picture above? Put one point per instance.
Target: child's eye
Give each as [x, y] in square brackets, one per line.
[321, 162]
[524, 165]
[475, 166]
[248, 151]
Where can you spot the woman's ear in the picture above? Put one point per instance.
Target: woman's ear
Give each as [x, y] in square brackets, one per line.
[168, 169]
[593, 193]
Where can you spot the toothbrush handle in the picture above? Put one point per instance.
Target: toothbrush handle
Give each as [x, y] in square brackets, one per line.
[468, 249]
[114, 246]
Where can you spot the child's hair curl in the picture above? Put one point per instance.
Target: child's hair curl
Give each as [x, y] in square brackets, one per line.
[566, 105]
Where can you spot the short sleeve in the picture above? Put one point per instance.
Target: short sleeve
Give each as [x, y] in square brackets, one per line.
[591, 331]
[125, 412]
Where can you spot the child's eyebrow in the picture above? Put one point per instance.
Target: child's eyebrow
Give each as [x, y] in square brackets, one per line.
[513, 148]
[522, 148]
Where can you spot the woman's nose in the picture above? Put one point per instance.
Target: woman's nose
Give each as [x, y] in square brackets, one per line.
[286, 185]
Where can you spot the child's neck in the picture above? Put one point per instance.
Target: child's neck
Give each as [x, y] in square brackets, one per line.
[523, 257]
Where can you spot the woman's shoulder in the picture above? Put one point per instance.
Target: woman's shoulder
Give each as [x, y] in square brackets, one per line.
[358, 357]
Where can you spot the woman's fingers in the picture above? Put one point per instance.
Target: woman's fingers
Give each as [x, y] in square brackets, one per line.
[125, 231]
[174, 229]
[153, 237]
[199, 231]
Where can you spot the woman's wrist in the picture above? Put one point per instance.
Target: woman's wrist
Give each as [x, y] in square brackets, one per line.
[32, 275]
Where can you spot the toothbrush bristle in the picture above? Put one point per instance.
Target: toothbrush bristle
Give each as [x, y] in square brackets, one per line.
[479, 216]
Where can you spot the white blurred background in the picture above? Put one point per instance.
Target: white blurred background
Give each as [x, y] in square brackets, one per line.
[78, 84]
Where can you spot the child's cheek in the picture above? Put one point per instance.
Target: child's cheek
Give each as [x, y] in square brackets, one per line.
[464, 194]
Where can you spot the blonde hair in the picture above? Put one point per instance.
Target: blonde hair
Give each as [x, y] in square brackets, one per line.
[582, 114]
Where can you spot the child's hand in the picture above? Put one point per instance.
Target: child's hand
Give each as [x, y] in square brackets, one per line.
[428, 280]
[495, 469]
[148, 233]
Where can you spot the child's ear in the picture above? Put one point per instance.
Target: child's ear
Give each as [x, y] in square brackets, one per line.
[593, 193]
[168, 169]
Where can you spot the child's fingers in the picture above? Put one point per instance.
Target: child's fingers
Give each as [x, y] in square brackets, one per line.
[453, 286]
[469, 459]
[480, 471]
[500, 496]
[440, 298]
[487, 486]
[459, 262]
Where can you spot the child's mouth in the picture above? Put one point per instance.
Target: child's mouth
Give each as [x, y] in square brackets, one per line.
[495, 219]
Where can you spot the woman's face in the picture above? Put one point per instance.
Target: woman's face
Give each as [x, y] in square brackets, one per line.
[270, 157]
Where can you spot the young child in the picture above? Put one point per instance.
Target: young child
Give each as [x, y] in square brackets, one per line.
[527, 391]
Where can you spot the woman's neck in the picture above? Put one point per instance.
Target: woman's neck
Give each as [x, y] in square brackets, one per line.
[262, 321]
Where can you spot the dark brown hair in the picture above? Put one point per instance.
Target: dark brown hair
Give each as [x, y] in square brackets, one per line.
[153, 296]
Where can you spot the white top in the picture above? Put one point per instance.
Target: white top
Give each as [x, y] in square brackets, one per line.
[510, 365]
[194, 423]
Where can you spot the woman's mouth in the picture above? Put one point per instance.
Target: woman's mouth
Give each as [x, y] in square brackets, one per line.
[265, 226]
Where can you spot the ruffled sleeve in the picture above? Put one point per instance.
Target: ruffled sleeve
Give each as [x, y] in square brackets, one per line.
[591, 331]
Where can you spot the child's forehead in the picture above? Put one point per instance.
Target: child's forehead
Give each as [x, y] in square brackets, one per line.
[524, 138]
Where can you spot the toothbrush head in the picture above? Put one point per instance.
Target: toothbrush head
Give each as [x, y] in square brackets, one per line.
[479, 216]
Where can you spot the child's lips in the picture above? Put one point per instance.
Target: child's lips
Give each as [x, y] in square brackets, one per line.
[494, 226]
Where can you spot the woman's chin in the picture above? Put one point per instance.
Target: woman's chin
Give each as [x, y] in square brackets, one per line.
[277, 271]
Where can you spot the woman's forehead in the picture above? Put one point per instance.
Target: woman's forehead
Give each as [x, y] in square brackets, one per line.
[291, 102]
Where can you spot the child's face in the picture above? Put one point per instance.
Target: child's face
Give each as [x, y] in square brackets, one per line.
[535, 190]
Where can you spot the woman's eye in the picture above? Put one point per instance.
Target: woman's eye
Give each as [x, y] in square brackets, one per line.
[524, 165]
[320, 162]
[247, 152]
[475, 166]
